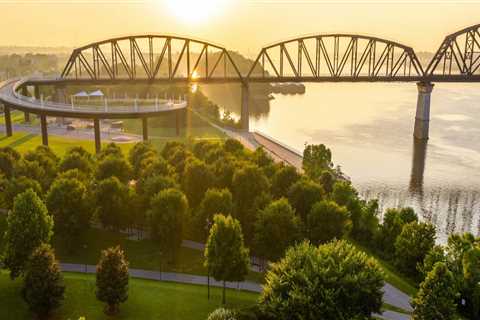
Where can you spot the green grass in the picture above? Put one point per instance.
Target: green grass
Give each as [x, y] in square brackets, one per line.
[163, 127]
[18, 117]
[392, 276]
[24, 141]
[147, 300]
[387, 306]
[144, 254]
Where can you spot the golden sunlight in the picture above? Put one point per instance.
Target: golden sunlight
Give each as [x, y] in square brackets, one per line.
[194, 11]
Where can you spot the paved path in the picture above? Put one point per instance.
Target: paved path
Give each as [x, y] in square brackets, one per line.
[84, 134]
[196, 280]
[287, 154]
[168, 276]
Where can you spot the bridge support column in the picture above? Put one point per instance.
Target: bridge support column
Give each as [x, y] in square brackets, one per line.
[61, 97]
[36, 90]
[44, 127]
[96, 128]
[25, 93]
[244, 117]
[422, 117]
[177, 122]
[8, 120]
[145, 128]
[36, 93]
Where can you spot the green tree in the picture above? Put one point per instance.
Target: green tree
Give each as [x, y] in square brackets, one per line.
[330, 282]
[316, 159]
[471, 273]
[282, 180]
[82, 161]
[47, 160]
[457, 249]
[303, 195]
[15, 186]
[412, 245]
[139, 153]
[327, 180]
[226, 257]
[114, 166]
[233, 146]
[327, 221]
[7, 164]
[197, 179]
[155, 166]
[393, 222]
[28, 225]
[112, 279]
[152, 185]
[366, 226]
[276, 229]
[43, 287]
[215, 201]
[33, 170]
[249, 183]
[110, 149]
[167, 212]
[224, 170]
[68, 202]
[436, 298]
[436, 254]
[112, 203]
[222, 314]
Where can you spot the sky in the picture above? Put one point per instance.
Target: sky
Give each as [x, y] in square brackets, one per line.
[240, 25]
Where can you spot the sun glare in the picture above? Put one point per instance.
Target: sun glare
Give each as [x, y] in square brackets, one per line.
[194, 11]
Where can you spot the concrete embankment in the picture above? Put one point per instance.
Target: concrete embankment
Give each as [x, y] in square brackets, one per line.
[280, 150]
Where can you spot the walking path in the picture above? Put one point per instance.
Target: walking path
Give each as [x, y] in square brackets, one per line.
[84, 134]
[196, 280]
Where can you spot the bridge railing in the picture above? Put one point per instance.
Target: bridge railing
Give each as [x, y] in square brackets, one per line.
[130, 105]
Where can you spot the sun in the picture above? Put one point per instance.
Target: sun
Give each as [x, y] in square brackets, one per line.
[194, 11]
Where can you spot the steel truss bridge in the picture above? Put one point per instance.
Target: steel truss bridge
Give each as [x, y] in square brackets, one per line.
[317, 58]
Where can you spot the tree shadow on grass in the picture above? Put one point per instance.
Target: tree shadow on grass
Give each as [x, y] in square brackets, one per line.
[22, 140]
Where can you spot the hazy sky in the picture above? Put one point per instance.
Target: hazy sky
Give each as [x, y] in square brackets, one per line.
[237, 24]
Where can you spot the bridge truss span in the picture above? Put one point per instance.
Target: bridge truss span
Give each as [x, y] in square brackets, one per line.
[458, 57]
[151, 58]
[336, 57]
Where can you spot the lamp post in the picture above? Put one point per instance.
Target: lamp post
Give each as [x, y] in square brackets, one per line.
[207, 227]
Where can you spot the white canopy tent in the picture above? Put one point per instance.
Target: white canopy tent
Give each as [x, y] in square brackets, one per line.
[96, 94]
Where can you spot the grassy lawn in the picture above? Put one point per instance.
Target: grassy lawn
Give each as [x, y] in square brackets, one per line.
[392, 276]
[147, 300]
[163, 127]
[143, 254]
[24, 141]
[161, 130]
[18, 117]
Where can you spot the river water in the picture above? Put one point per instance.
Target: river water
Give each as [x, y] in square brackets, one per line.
[369, 129]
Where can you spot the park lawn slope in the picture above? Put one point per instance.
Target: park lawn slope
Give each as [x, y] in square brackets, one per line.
[392, 276]
[25, 141]
[147, 300]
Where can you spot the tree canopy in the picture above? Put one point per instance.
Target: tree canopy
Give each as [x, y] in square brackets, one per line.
[332, 281]
[28, 226]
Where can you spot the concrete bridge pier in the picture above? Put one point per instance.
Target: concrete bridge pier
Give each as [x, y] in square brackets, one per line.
[177, 123]
[96, 128]
[44, 127]
[8, 120]
[422, 117]
[145, 128]
[244, 117]
[61, 97]
[25, 93]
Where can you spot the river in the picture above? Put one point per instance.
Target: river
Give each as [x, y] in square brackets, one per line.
[369, 128]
